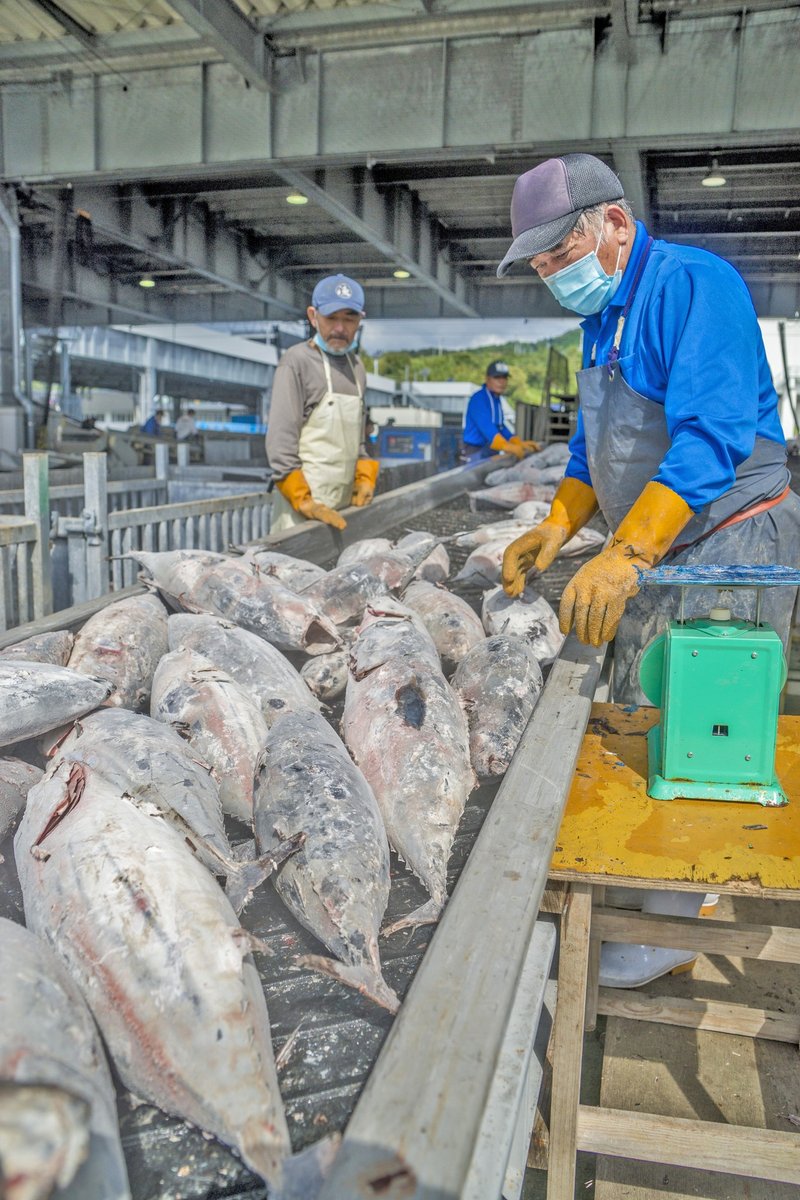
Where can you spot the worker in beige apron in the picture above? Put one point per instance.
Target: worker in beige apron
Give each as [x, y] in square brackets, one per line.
[678, 444]
[316, 431]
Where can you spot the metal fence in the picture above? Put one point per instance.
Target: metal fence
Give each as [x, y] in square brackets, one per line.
[25, 571]
[71, 538]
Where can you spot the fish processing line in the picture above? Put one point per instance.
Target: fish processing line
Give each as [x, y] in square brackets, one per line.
[448, 1085]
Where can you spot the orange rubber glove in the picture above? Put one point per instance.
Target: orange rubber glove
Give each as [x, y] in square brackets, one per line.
[506, 446]
[573, 504]
[595, 598]
[295, 489]
[364, 481]
[528, 447]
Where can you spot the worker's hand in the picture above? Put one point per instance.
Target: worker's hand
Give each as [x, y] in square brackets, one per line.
[294, 487]
[528, 447]
[535, 549]
[595, 598]
[316, 511]
[504, 445]
[362, 494]
[366, 476]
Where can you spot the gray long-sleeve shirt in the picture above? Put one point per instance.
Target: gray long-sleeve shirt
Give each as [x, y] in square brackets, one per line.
[298, 387]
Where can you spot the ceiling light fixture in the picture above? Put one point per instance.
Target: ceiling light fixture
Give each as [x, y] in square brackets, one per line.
[147, 282]
[296, 197]
[401, 273]
[714, 178]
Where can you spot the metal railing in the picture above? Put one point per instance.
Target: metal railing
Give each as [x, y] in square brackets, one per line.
[83, 545]
[194, 525]
[25, 574]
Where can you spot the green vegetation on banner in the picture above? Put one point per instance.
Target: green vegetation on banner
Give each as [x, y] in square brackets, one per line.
[527, 360]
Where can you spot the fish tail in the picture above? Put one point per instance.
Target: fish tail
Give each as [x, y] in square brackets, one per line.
[303, 1174]
[242, 880]
[427, 914]
[244, 877]
[363, 979]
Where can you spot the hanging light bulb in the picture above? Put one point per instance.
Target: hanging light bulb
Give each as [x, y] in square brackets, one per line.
[714, 178]
[147, 282]
[296, 197]
[401, 273]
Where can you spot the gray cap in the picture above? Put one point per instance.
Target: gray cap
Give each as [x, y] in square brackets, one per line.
[548, 200]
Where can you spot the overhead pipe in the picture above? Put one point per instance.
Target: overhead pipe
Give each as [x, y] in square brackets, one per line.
[11, 306]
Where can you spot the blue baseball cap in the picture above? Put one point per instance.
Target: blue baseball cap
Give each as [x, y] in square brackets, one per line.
[336, 292]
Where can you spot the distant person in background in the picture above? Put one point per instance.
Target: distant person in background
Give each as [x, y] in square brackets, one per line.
[316, 432]
[485, 431]
[186, 425]
[152, 426]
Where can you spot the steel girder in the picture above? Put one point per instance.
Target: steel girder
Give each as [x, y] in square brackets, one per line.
[397, 225]
[171, 240]
[225, 27]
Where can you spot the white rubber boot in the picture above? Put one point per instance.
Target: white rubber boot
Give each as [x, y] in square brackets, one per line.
[623, 966]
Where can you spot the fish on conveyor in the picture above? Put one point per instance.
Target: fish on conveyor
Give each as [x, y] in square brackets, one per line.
[294, 573]
[219, 720]
[16, 780]
[156, 949]
[153, 766]
[498, 684]
[407, 732]
[483, 567]
[337, 885]
[256, 665]
[364, 548]
[229, 587]
[468, 539]
[326, 675]
[344, 592]
[36, 697]
[528, 616]
[123, 643]
[54, 648]
[510, 495]
[58, 1116]
[434, 566]
[531, 512]
[583, 541]
[453, 625]
[526, 472]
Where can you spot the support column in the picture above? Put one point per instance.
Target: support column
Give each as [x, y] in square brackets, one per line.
[13, 406]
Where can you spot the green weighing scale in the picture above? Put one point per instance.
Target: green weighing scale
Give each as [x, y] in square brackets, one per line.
[717, 680]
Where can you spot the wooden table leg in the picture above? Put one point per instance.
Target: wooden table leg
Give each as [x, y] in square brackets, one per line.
[568, 1041]
[593, 980]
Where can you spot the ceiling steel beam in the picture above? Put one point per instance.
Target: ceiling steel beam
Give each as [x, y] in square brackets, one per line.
[131, 235]
[397, 225]
[68, 23]
[225, 27]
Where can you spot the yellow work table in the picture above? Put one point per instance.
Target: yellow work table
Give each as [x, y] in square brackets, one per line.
[613, 833]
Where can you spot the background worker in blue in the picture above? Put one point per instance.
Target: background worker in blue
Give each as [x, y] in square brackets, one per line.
[678, 440]
[485, 431]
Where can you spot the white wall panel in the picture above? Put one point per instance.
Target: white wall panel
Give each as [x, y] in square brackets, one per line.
[237, 117]
[153, 120]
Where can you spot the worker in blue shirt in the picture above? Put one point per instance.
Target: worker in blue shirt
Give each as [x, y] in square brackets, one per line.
[485, 431]
[678, 440]
[152, 425]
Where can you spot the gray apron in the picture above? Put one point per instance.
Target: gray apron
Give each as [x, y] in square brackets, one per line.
[626, 440]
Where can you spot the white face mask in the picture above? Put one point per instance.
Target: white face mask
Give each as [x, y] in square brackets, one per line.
[584, 287]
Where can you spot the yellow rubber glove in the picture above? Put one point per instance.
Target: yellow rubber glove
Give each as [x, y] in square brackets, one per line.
[573, 504]
[295, 489]
[595, 598]
[504, 446]
[364, 481]
[528, 447]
